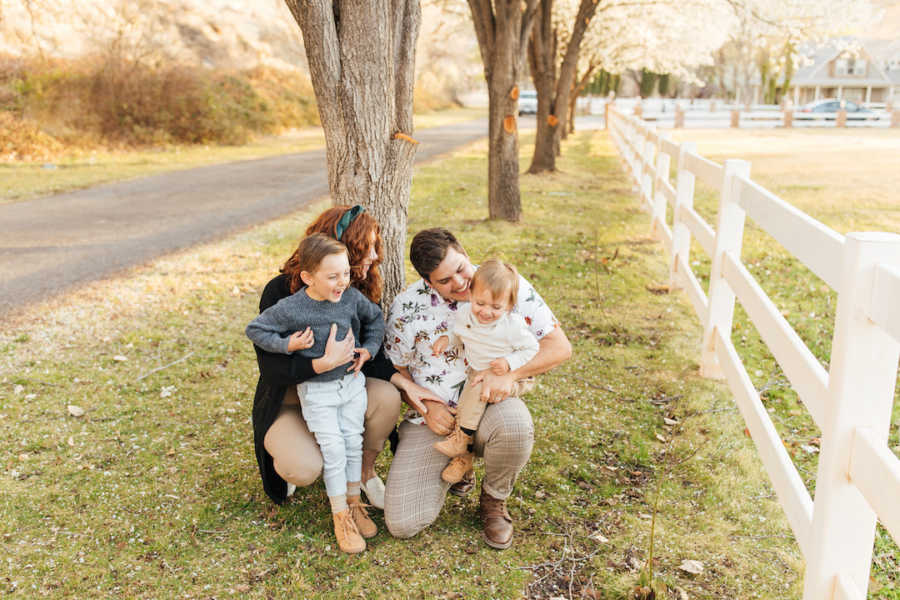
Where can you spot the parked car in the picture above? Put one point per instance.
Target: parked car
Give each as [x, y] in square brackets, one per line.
[832, 105]
[528, 102]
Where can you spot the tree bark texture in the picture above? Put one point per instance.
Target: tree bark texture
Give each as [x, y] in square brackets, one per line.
[362, 64]
[502, 28]
[542, 46]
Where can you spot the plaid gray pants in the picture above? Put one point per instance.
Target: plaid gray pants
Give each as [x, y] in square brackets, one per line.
[415, 492]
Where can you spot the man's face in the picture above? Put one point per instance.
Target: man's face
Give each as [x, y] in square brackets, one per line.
[452, 278]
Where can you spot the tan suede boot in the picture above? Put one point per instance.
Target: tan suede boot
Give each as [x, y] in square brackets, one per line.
[458, 468]
[347, 534]
[364, 524]
[455, 444]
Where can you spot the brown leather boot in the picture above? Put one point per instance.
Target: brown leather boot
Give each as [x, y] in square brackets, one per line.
[347, 534]
[458, 468]
[498, 526]
[364, 524]
[455, 444]
[464, 486]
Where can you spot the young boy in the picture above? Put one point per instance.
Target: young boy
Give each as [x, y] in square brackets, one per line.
[492, 338]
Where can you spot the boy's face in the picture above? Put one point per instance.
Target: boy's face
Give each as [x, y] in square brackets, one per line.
[330, 278]
[486, 307]
[452, 278]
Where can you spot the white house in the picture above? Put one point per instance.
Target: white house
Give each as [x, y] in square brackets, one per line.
[850, 69]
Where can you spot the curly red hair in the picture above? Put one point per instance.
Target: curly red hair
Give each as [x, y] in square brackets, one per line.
[356, 237]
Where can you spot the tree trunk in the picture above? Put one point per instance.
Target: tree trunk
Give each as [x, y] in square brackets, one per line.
[542, 49]
[581, 83]
[561, 89]
[502, 28]
[362, 61]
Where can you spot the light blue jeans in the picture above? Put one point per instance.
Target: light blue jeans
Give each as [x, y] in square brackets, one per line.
[334, 412]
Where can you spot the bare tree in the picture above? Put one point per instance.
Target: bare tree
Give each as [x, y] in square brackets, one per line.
[362, 64]
[554, 90]
[503, 28]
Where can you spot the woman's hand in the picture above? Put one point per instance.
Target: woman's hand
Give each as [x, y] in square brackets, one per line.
[301, 340]
[360, 356]
[439, 417]
[494, 388]
[337, 353]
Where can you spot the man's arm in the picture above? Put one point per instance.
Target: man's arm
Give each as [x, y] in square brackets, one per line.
[555, 349]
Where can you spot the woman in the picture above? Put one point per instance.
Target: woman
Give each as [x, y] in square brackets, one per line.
[286, 451]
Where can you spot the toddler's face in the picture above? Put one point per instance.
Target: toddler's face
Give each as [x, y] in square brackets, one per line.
[485, 307]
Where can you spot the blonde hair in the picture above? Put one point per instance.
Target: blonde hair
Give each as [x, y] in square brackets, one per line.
[499, 278]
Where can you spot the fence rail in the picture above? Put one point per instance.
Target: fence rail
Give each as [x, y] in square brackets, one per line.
[684, 113]
[858, 478]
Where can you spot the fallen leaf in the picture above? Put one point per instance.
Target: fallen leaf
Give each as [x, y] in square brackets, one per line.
[76, 411]
[694, 567]
[120, 358]
[242, 588]
[540, 495]
[661, 438]
[598, 537]
[669, 421]
[680, 594]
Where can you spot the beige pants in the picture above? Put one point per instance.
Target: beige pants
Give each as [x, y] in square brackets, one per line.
[295, 453]
[415, 492]
[471, 407]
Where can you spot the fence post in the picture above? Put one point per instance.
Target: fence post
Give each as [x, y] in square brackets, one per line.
[639, 108]
[860, 394]
[735, 118]
[841, 119]
[712, 106]
[681, 235]
[606, 115]
[679, 116]
[895, 118]
[663, 162]
[788, 118]
[729, 238]
[646, 178]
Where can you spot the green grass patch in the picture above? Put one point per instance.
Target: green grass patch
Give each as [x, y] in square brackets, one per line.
[154, 491]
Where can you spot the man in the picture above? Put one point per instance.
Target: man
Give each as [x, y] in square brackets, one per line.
[415, 491]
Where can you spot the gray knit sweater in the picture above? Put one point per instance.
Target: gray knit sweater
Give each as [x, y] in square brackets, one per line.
[272, 328]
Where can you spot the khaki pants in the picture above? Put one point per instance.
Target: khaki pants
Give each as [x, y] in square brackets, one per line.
[471, 407]
[295, 453]
[415, 492]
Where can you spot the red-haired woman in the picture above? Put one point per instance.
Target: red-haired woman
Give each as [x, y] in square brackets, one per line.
[286, 451]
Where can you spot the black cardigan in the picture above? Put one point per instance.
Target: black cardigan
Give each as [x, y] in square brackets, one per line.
[276, 373]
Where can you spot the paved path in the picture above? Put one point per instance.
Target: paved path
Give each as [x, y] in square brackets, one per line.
[51, 243]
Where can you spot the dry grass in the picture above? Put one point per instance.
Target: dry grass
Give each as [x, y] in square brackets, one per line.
[154, 491]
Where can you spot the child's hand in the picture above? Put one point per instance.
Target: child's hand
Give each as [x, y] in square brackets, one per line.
[499, 366]
[301, 340]
[360, 356]
[440, 345]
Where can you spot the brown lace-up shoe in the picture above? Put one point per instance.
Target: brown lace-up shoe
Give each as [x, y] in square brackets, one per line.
[458, 468]
[455, 444]
[364, 524]
[498, 526]
[347, 534]
[464, 486]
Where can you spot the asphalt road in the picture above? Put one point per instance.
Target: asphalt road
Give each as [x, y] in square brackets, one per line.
[52, 243]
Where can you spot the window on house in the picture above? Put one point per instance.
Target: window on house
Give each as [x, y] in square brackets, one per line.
[841, 66]
[858, 66]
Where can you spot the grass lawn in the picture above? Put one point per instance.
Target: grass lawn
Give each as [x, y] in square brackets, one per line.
[80, 169]
[154, 491]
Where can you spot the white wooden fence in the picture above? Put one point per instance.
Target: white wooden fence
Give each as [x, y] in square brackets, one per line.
[690, 114]
[858, 477]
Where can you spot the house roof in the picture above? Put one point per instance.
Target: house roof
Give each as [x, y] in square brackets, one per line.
[877, 52]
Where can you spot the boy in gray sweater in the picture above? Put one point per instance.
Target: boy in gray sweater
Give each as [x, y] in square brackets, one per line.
[333, 402]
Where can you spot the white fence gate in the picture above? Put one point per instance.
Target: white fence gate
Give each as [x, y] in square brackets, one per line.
[858, 477]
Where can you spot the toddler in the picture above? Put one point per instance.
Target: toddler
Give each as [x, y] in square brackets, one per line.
[334, 402]
[492, 338]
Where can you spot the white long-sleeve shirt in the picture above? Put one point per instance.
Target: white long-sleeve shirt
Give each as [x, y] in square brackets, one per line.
[508, 337]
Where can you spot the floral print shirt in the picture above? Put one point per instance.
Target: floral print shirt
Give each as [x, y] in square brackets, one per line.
[419, 316]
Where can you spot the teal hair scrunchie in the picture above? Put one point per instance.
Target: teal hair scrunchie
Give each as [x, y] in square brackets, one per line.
[346, 219]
